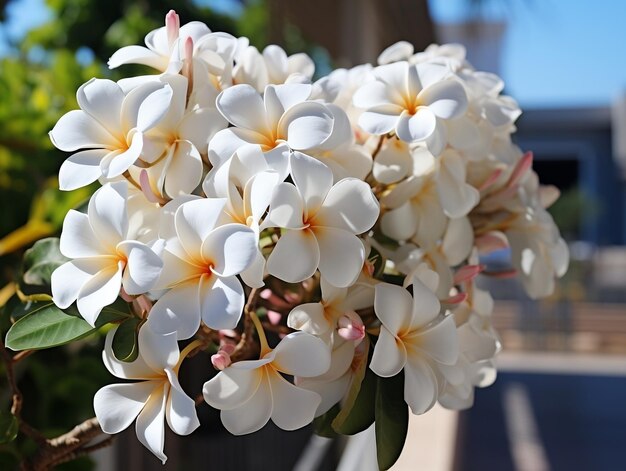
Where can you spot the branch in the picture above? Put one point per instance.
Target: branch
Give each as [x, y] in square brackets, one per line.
[246, 343]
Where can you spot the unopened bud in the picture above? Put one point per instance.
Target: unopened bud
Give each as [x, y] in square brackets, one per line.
[220, 360]
[467, 273]
[350, 327]
[172, 26]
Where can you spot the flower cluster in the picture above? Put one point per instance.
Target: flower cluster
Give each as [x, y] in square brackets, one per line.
[342, 219]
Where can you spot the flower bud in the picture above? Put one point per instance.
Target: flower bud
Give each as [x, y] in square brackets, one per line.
[350, 327]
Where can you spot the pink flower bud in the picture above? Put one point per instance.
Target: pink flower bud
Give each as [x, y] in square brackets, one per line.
[467, 273]
[350, 327]
[456, 299]
[172, 26]
[220, 360]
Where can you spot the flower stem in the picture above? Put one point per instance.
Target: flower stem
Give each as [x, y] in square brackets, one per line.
[265, 349]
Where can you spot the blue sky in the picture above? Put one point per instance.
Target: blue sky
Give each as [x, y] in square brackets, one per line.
[555, 52]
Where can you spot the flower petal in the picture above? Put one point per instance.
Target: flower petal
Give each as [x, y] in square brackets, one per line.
[342, 255]
[293, 407]
[154, 107]
[286, 208]
[150, 425]
[122, 161]
[446, 99]
[253, 414]
[117, 405]
[440, 341]
[389, 355]
[302, 354]
[77, 130]
[180, 410]
[393, 306]
[230, 248]
[221, 302]
[420, 386]
[77, 237]
[426, 306]
[102, 99]
[417, 127]
[313, 180]
[306, 125]
[309, 318]
[100, 291]
[81, 169]
[137, 55]
[294, 246]
[143, 267]
[380, 120]
[185, 170]
[243, 106]
[230, 388]
[68, 279]
[349, 205]
[195, 220]
[178, 311]
[108, 215]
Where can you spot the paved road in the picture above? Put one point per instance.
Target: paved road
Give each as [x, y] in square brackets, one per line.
[579, 421]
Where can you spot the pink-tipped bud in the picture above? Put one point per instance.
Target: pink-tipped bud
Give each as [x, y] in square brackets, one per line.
[146, 188]
[467, 273]
[369, 267]
[228, 347]
[456, 299]
[221, 360]
[491, 241]
[491, 179]
[172, 26]
[189, 48]
[274, 317]
[350, 327]
[524, 164]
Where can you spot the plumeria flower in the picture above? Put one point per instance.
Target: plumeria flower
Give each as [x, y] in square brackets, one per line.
[409, 100]
[414, 338]
[336, 309]
[346, 359]
[105, 256]
[111, 126]
[246, 203]
[321, 223]
[164, 48]
[273, 66]
[155, 397]
[200, 268]
[171, 157]
[249, 393]
[280, 120]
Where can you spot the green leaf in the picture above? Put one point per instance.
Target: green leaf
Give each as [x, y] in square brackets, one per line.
[124, 344]
[392, 420]
[8, 427]
[322, 425]
[48, 326]
[357, 412]
[41, 260]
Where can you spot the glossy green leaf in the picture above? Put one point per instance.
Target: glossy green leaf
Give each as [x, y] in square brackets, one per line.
[8, 427]
[322, 425]
[392, 420]
[41, 260]
[125, 345]
[48, 326]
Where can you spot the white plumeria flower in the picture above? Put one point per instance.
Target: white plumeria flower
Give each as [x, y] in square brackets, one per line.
[200, 268]
[414, 338]
[321, 319]
[452, 250]
[111, 125]
[250, 393]
[272, 67]
[171, 154]
[156, 397]
[247, 207]
[321, 223]
[282, 119]
[164, 46]
[105, 257]
[409, 100]
[332, 386]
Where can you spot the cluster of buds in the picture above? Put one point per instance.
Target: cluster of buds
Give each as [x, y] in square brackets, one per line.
[343, 218]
